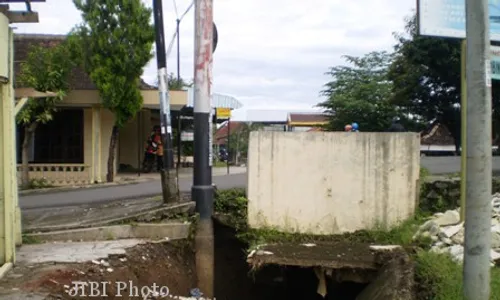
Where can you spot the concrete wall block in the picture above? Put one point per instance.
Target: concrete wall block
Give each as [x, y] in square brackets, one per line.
[331, 182]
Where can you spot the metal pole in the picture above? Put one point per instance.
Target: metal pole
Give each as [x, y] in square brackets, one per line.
[478, 211]
[140, 146]
[463, 129]
[228, 143]
[168, 186]
[179, 141]
[178, 52]
[202, 190]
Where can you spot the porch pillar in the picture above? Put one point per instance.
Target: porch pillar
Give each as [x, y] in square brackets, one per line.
[8, 172]
[96, 144]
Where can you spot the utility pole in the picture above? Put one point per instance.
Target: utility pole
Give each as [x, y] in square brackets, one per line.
[202, 190]
[478, 189]
[169, 188]
[178, 51]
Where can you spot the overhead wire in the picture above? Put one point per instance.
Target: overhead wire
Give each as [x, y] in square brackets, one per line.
[172, 41]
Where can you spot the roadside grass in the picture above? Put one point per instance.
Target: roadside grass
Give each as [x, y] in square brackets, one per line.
[437, 276]
[440, 278]
[219, 164]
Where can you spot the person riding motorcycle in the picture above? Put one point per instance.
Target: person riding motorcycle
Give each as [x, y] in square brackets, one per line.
[396, 126]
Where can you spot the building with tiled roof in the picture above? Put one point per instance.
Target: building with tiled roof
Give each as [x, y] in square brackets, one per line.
[73, 147]
[306, 121]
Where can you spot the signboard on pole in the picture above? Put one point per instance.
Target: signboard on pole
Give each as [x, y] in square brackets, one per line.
[446, 18]
[495, 62]
[187, 136]
[223, 113]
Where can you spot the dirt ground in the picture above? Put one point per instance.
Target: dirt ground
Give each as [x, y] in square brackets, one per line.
[163, 264]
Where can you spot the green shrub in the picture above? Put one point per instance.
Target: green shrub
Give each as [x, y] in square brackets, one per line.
[39, 183]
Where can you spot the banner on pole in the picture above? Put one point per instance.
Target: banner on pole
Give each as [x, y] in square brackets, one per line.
[446, 18]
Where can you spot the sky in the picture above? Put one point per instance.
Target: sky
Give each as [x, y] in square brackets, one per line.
[272, 54]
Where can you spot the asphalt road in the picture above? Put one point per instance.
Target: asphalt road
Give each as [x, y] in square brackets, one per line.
[121, 192]
[436, 165]
[451, 164]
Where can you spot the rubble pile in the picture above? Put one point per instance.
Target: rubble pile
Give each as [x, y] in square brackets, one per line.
[447, 232]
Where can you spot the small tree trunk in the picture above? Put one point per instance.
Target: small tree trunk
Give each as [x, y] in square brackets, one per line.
[28, 136]
[110, 176]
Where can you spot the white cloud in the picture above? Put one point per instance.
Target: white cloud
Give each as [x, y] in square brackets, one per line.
[270, 53]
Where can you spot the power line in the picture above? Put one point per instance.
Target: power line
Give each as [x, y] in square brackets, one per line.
[175, 8]
[171, 44]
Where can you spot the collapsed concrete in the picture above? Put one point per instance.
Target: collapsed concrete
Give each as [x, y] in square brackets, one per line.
[447, 232]
[395, 278]
[384, 272]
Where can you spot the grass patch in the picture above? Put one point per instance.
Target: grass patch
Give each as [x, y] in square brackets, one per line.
[399, 235]
[27, 239]
[219, 164]
[231, 206]
[424, 174]
[440, 278]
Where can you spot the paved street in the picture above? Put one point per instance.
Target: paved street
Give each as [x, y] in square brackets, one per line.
[112, 193]
[451, 164]
[436, 165]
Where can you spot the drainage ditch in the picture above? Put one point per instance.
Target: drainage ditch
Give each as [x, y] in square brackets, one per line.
[390, 279]
[303, 275]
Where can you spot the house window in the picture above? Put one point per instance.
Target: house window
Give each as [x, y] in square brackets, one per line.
[60, 141]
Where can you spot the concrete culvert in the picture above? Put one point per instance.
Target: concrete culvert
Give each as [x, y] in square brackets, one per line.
[341, 271]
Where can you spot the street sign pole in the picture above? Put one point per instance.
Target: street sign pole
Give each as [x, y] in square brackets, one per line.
[477, 242]
[463, 130]
[169, 188]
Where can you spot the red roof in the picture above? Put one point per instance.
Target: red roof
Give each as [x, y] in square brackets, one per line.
[79, 79]
[222, 132]
[316, 118]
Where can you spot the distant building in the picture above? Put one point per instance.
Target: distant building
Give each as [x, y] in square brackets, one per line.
[306, 121]
[227, 129]
[436, 140]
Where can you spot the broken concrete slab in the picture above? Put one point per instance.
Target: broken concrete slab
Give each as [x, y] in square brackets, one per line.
[74, 252]
[394, 281]
[54, 219]
[325, 254]
[171, 231]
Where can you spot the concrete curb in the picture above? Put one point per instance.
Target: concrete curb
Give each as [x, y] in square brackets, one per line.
[172, 231]
[79, 187]
[145, 215]
[5, 268]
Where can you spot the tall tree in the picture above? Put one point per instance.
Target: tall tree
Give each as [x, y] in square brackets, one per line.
[360, 93]
[426, 76]
[45, 69]
[114, 43]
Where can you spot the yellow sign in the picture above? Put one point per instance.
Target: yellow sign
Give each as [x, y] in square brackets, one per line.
[223, 113]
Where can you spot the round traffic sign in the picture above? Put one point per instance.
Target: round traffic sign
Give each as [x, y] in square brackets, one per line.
[216, 38]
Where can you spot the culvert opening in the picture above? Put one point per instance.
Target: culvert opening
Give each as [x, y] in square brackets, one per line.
[298, 283]
[235, 278]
